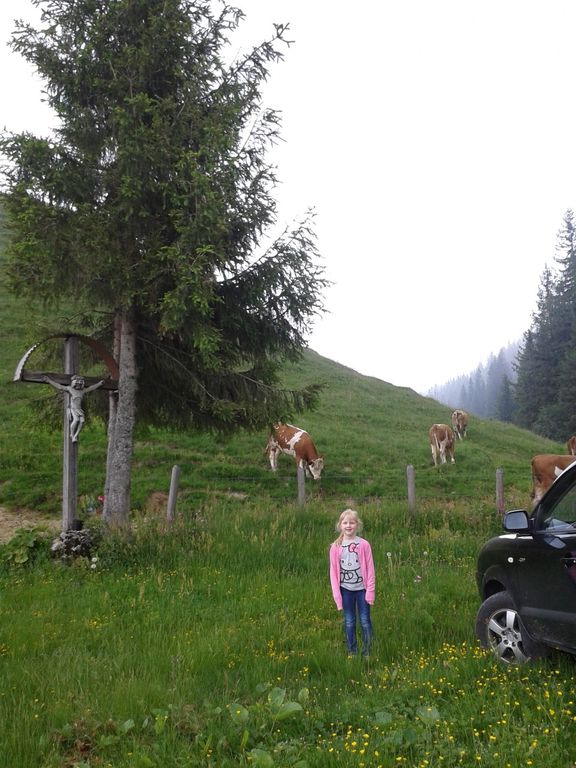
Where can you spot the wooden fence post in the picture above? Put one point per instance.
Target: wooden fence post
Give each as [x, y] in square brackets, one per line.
[411, 483]
[171, 508]
[301, 485]
[500, 492]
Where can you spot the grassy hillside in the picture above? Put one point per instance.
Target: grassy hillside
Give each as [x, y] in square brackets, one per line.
[368, 431]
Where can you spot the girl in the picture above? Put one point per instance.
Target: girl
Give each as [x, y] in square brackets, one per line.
[353, 580]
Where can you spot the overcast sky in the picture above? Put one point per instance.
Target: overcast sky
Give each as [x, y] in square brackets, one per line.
[435, 140]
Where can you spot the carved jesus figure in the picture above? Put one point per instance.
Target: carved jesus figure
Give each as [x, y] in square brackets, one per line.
[76, 391]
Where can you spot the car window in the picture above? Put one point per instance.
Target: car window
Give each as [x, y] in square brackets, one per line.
[563, 512]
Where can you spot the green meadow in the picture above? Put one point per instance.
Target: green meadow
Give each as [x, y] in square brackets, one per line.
[213, 641]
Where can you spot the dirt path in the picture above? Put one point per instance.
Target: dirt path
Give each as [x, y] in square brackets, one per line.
[11, 521]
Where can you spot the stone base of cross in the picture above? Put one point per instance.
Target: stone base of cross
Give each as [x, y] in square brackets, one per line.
[74, 386]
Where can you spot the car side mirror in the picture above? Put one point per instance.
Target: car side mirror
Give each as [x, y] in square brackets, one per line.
[516, 521]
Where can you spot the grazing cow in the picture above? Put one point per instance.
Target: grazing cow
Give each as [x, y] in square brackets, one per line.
[441, 443]
[459, 423]
[545, 469]
[295, 442]
[571, 445]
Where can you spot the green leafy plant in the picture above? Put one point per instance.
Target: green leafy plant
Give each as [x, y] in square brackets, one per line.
[24, 546]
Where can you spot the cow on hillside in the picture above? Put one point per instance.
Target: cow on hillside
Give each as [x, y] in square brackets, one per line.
[295, 442]
[459, 420]
[545, 469]
[571, 445]
[441, 440]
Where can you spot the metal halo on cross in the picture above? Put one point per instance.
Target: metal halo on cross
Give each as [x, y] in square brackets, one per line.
[22, 374]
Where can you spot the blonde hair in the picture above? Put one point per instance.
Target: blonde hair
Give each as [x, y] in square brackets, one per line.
[347, 513]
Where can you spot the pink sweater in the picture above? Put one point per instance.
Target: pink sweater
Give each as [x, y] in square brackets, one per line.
[366, 570]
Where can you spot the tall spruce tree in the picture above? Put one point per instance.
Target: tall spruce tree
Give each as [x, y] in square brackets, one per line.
[505, 402]
[547, 362]
[537, 363]
[150, 207]
[477, 392]
[565, 411]
[495, 374]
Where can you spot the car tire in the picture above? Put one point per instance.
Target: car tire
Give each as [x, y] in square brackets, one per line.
[500, 629]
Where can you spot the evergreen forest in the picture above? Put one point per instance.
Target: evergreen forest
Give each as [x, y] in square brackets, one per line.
[529, 383]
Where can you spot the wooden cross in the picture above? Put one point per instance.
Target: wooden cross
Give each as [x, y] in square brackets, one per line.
[64, 381]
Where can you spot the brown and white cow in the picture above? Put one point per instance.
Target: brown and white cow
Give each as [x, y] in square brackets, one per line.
[296, 442]
[571, 445]
[441, 440]
[545, 469]
[459, 420]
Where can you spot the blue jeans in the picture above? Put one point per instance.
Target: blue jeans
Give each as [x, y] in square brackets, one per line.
[352, 602]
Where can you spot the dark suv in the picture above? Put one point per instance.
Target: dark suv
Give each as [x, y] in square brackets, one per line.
[527, 579]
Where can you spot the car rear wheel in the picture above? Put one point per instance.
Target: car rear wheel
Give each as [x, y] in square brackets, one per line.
[500, 629]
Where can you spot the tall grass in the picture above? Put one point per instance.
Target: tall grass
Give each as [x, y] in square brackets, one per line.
[216, 643]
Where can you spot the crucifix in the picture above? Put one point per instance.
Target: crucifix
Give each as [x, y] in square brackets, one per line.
[76, 391]
[74, 386]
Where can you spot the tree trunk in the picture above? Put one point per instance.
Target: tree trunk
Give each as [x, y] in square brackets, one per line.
[112, 410]
[121, 424]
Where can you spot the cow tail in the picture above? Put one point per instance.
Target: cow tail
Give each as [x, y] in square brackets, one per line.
[269, 441]
[271, 430]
